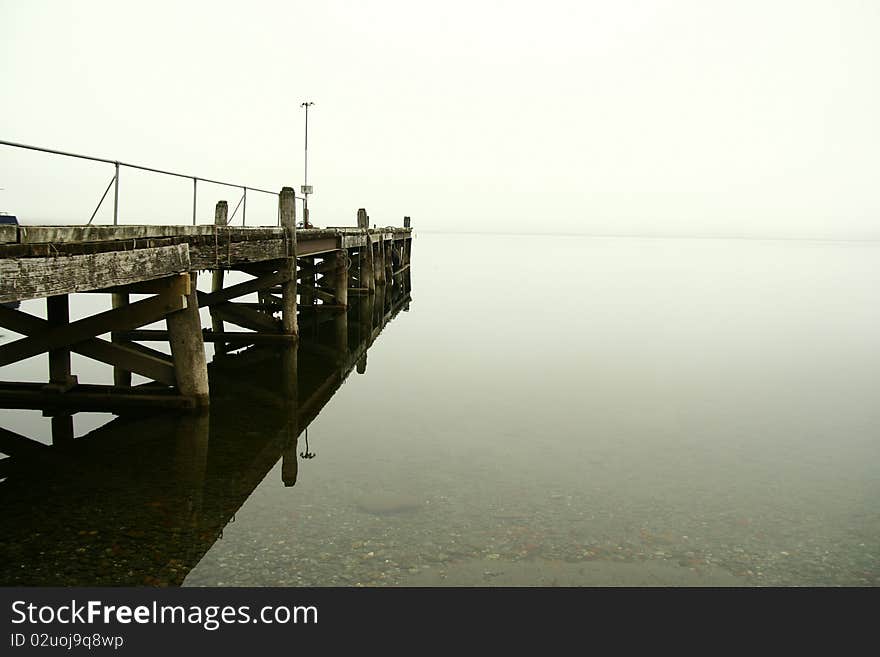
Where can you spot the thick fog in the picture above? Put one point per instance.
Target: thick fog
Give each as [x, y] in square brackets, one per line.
[687, 117]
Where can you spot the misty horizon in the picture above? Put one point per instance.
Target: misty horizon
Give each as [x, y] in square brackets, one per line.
[684, 118]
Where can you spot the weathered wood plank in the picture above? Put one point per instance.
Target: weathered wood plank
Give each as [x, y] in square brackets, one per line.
[157, 286]
[320, 293]
[60, 234]
[33, 278]
[209, 335]
[86, 397]
[73, 234]
[314, 246]
[353, 241]
[247, 318]
[231, 254]
[234, 291]
[8, 233]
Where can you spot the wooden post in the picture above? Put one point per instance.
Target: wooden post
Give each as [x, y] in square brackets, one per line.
[389, 261]
[407, 259]
[406, 222]
[121, 377]
[220, 213]
[58, 314]
[340, 277]
[365, 257]
[306, 298]
[368, 274]
[380, 261]
[60, 379]
[287, 206]
[188, 348]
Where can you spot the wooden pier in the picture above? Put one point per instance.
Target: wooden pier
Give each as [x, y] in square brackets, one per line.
[141, 499]
[302, 278]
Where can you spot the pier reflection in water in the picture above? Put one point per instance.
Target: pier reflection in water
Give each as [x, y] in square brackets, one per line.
[140, 500]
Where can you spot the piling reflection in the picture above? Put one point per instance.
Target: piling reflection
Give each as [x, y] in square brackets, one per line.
[140, 500]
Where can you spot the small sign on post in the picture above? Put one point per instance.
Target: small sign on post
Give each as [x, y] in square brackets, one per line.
[306, 189]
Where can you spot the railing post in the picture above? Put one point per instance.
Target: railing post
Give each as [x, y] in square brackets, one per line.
[116, 197]
[287, 214]
[195, 187]
[244, 206]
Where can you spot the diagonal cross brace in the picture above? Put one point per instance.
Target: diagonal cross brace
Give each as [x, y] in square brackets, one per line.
[158, 369]
[79, 336]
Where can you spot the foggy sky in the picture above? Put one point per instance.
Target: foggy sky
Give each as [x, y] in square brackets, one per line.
[675, 117]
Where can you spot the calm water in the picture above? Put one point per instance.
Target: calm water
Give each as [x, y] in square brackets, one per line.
[549, 410]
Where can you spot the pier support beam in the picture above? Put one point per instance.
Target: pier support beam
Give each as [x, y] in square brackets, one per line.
[121, 377]
[220, 219]
[380, 261]
[188, 348]
[308, 278]
[60, 379]
[58, 315]
[368, 278]
[389, 260]
[287, 201]
[340, 277]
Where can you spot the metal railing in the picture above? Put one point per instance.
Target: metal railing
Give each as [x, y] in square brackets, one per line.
[114, 183]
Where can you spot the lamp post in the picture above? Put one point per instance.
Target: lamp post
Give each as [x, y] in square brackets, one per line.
[306, 188]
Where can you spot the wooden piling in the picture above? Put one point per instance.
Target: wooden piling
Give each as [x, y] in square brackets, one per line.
[287, 204]
[368, 270]
[121, 377]
[221, 211]
[58, 314]
[187, 346]
[389, 260]
[309, 279]
[340, 277]
[60, 379]
[380, 261]
[406, 222]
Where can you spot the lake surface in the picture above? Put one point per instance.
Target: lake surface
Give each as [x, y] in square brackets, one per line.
[549, 410]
